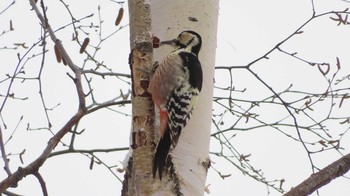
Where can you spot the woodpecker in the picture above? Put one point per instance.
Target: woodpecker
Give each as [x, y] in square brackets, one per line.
[175, 86]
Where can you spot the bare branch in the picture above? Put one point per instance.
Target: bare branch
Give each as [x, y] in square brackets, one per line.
[103, 75]
[33, 167]
[8, 193]
[321, 178]
[13, 179]
[42, 183]
[11, 4]
[87, 151]
[4, 155]
[302, 104]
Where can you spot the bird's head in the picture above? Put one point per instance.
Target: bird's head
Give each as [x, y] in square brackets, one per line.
[188, 40]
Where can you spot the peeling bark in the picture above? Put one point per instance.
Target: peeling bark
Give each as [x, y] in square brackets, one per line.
[138, 178]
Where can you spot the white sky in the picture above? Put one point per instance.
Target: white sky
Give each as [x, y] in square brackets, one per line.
[247, 29]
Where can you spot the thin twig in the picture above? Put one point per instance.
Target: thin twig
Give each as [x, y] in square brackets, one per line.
[42, 183]
[4, 155]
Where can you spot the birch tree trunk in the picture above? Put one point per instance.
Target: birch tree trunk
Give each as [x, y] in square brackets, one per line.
[138, 179]
[191, 155]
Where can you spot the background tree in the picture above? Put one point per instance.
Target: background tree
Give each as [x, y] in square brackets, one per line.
[292, 91]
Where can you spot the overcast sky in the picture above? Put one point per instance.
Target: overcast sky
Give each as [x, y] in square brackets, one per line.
[247, 30]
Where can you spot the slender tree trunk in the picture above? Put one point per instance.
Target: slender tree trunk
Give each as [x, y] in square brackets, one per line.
[191, 155]
[138, 179]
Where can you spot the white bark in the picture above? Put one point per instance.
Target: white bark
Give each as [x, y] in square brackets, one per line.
[191, 155]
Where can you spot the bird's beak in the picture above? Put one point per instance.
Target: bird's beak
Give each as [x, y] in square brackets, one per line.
[169, 42]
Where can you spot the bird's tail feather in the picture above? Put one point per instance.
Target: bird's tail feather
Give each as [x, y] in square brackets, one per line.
[161, 154]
